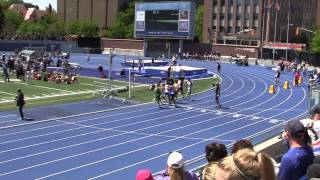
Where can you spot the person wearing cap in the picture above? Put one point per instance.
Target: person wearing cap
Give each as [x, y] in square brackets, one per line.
[300, 156]
[144, 174]
[175, 169]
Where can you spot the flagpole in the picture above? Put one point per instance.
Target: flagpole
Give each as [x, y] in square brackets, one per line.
[262, 29]
[288, 30]
[268, 20]
[275, 32]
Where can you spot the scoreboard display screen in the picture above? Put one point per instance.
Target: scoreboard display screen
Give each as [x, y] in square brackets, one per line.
[173, 20]
[165, 20]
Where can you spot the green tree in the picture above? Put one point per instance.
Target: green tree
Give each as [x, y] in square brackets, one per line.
[12, 21]
[315, 43]
[31, 29]
[6, 3]
[199, 24]
[83, 28]
[1, 17]
[124, 25]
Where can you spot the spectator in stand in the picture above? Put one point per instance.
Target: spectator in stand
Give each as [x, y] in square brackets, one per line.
[245, 164]
[300, 156]
[175, 169]
[214, 153]
[144, 174]
[246, 144]
[241, 144]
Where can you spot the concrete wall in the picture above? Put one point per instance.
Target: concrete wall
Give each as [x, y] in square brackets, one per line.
[68, 46]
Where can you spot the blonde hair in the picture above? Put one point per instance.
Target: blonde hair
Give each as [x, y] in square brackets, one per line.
[246, 164]
[176, 174]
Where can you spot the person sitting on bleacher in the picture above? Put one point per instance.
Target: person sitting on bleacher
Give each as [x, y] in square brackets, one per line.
[214, 153]
[245, 164]
[175, 169]
[300, 156]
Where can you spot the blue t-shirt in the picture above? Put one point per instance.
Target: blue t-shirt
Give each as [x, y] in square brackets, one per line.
[295, 162]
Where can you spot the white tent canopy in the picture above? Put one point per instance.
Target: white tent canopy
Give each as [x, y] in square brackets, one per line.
[27, 53]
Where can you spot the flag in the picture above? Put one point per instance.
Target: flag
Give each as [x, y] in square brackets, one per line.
[277, 7]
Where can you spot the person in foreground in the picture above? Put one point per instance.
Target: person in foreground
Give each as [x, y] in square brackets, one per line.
[245, 164]
[300, 156]
[175, 169]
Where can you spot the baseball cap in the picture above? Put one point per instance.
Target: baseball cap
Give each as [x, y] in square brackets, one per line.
[295, 127]
[144, 174]
[175, 160]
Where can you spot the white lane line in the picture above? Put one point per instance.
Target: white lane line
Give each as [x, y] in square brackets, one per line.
[96, 177]
[145, 134]
[44, 87]
[230, 85]
[10, 115]
[161, 132]
[7, 93]
[77, 128]
[12, 120]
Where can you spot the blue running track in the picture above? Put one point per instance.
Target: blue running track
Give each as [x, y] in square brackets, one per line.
[114, 144]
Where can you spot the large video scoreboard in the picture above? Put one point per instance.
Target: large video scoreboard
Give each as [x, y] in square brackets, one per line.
[164, 20]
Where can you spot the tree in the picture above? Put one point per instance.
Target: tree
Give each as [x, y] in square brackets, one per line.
[315, 43]
[83, 28]
[12, 21]
[7, 3]
[124, 25]
[1, 17]
[199, 24]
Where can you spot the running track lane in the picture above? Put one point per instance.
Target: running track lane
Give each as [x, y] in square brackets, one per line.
[114, 145]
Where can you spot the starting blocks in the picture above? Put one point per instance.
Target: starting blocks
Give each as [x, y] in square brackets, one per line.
[272, 89]
[286, 85]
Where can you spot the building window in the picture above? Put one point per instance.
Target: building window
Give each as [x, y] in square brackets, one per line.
[214, 16]
[255, 16]
[221, 28]
[229, 29]
[222, 3]
[214, 3]
[237, 29]
[238, 16]
[230, 3]
[246, 16]
[239, 2]
[221, 15]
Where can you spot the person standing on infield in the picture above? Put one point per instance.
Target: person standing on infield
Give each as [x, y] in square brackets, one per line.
[218, 91]
[219, 67]
[20, 102]
[277, 77]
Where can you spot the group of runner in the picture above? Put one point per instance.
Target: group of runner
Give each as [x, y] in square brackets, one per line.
[169, 89]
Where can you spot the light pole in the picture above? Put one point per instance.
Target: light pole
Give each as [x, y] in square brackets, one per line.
[110, 67]
[288, 28]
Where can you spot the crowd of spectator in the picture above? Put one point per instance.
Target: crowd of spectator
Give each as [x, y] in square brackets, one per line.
[300, 161]
[38, 66]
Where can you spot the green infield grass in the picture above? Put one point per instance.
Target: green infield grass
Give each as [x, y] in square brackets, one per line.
[43, 93]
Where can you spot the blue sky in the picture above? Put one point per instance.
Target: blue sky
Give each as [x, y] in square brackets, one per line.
[43, 3]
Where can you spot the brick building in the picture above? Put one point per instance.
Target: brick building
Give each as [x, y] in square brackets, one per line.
[102, 12]
[246, 22]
